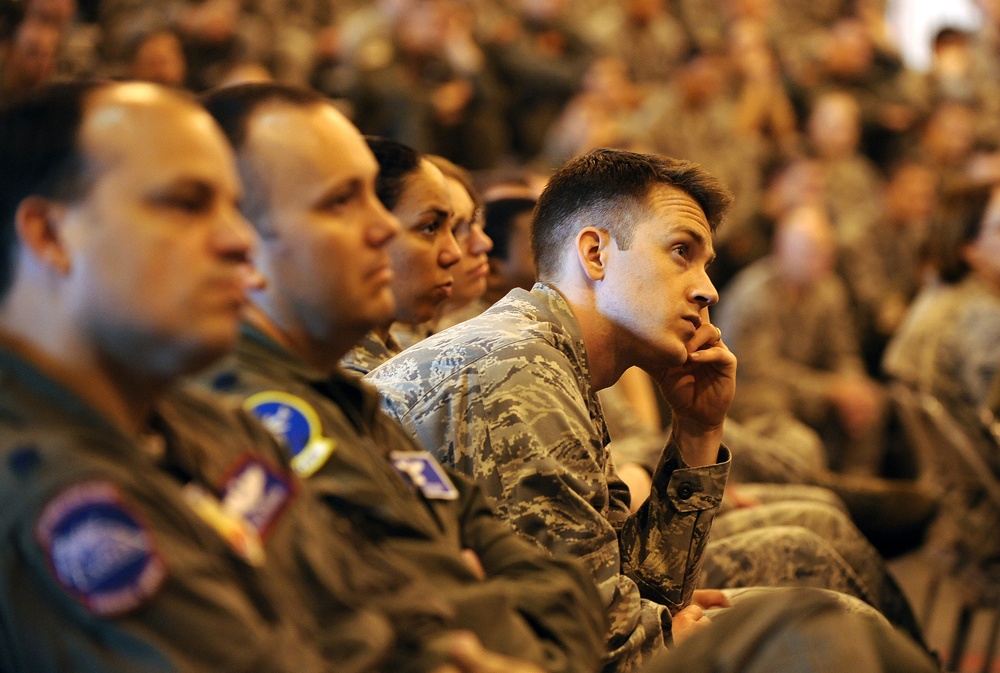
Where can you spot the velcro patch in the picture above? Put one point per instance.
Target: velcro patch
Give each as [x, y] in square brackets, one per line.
[422, 470]
[98, 550]
[292, 420]
[255, 491]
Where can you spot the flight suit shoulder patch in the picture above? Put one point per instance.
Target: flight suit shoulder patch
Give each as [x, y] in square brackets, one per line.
[99, 549]
[293, 420]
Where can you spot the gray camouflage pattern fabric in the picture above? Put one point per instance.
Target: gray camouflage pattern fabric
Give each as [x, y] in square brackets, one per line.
[949, 346]
[369, 353]
[506, 398]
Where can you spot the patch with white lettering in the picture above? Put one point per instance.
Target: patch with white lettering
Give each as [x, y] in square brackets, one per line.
[292, 420]
[256, 492]
[99, 551]
[422, 470]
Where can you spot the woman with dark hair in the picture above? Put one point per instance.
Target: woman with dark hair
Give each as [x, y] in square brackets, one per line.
[422, 254]
[472, 270]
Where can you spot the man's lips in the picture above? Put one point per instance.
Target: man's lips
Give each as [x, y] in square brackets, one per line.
[443, 290]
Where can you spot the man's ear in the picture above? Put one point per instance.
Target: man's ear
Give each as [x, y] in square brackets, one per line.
[38, 223]
[591, 251]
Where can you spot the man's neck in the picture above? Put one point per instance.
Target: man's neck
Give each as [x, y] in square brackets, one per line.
[602, 358]
[123, 398]
[321, 354]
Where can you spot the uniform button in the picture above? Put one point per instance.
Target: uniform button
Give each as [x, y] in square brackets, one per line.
[685, 491]
[24, 459]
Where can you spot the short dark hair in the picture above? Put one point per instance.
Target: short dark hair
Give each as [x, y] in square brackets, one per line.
[232, 107]
[958, 222]
[40, 156]
[396, 162]
[609, 189]
[950, 35]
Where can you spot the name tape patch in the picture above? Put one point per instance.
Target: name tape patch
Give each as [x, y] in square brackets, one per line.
[292, 420]
[421, 469]
[99, 551]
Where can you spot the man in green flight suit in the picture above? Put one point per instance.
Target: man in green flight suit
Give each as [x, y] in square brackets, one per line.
[147, 527]
[309, 180]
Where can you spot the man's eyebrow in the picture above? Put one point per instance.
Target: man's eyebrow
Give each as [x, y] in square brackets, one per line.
[186, 186]
[337, 188]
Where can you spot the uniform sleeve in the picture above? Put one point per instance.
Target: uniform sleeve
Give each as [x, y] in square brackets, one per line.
[527, 437]
[77, 604]
[662, 544]
[556, 595]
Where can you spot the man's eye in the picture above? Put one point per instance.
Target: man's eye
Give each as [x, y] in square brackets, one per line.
[197, 199]
[338, 201]
[186, 204]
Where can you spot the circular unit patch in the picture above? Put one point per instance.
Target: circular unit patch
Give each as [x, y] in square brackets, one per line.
[98, 550]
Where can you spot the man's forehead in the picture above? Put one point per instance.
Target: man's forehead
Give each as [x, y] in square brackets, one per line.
[125, 120]
[673, 206]
[317, 133]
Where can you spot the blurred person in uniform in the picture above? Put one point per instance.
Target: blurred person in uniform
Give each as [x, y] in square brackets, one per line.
[852, 181]
[429, 85]
[881, 263]
[788, 317]
[644, 34]
[148, 526]
[319, 180]
[947, 348]
[29, 54]
[158, 56]
[540, 62]
[949, 343]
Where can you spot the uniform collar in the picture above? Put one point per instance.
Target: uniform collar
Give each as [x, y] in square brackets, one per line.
[347, 390]
[552, 307]
[18, 372]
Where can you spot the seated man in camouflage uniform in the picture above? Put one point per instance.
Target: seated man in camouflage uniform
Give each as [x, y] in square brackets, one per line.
[464, 394]
[146, 527]
[324, 252]
[621, 243]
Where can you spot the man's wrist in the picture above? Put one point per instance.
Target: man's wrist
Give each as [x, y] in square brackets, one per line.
[698, 443]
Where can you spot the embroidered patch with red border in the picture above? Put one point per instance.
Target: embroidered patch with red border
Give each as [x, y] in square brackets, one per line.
[256, 491]
[99, 550]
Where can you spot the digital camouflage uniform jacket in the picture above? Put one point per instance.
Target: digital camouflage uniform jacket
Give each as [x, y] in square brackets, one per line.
[531, 605]
[200, 552]
[369, 353]
[506, 397]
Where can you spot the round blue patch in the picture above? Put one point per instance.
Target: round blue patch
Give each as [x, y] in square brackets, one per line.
[98, 550]
[292, 420]
[285, 419]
